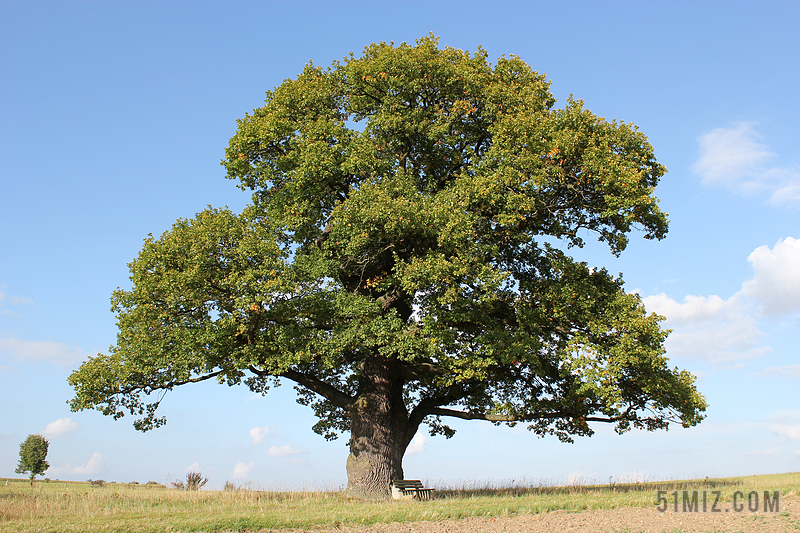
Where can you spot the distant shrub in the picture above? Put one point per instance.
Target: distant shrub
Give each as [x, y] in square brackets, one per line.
[97, 482]
[195, 480]
[229, 487]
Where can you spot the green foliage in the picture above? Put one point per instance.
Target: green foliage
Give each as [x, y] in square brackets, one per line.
[32, 456]
[411, 205]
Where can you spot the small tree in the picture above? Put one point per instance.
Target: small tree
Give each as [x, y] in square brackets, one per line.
[32, 454]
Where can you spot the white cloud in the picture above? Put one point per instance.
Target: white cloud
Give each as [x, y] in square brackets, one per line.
[776, 283]
[786, 431]
[93, 466]
[735, 158]
[789, 371]
[725, 332]
[258, 434]
[708, 328]
[60, 428]
[762, 453]
[283, 451]
[693, 309]
[52, 352]
[194, 467]
[417, 445]
[241, 470]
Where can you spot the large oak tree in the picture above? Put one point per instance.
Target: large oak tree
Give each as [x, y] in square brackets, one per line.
[403, 261]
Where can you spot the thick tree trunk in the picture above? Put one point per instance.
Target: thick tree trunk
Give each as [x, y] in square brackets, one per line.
[380, 431]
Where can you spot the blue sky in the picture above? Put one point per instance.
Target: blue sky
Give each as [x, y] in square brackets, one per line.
[115, 116]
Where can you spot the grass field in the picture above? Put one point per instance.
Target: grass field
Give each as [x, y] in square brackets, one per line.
[82, 507]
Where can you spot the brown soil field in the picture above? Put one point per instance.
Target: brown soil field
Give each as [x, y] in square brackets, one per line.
[622, 520]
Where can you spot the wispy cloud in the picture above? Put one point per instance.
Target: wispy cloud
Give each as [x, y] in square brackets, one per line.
[16, 300]
[732, 156]
[786, 431]
[283, 451]
[56, 353]
[736, 158]
[762, 453]
[788, 371]
[60, 428]
[6, 299]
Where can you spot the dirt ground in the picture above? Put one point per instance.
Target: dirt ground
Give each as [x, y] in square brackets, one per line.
[627, 520]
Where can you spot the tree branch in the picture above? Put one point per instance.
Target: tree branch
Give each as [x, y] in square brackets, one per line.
[426, 406]
[421, 370]
[169, 385]
[326, 390]
[324, 236]
[439, 411]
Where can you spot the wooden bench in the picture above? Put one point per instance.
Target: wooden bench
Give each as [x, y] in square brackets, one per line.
[407, 489]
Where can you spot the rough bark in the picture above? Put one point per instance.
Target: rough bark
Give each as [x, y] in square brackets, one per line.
[380, 431]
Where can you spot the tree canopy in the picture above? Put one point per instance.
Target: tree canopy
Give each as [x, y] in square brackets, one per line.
[404, 260]
[32, 456]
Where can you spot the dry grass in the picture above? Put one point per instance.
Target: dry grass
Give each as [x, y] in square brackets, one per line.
[68, 506]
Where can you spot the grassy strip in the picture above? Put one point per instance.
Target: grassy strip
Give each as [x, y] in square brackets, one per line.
[81, 507]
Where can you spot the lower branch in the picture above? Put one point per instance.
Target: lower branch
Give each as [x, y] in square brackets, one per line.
[326, 390]
[440, 411]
